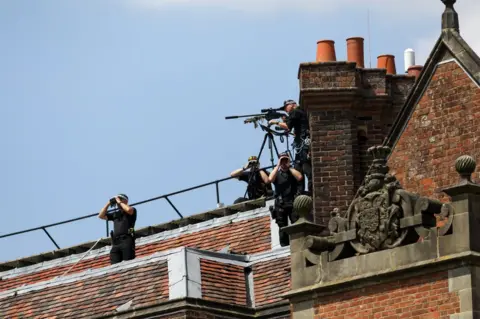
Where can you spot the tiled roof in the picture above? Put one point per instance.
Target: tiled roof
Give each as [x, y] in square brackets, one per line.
[237, 252]
[234, 231]
[271, 280]
[223, 282]
[92, 296]
[150, 281]
[174, 225]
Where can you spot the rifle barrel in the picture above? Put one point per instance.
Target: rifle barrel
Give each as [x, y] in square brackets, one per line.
[240, 116]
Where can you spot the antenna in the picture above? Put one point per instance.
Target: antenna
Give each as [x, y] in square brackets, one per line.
[369, 39]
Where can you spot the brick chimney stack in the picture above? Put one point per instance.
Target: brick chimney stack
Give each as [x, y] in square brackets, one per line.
[350, 108]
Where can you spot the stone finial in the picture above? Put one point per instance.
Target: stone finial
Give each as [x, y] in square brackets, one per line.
[450, 16]
[449, 3]
[465, 166]
[303, 205]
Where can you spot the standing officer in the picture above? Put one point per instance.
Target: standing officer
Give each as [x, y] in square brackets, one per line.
[285, 179]
[123, 234]
[298, 122]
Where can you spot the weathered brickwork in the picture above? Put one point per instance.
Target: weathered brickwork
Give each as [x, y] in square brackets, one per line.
[333, 147]
[328, 75]
[417, 297]
[444, 125]
[357, 113]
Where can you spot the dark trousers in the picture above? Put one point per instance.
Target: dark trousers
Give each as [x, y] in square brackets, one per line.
[123, 248]
[303, 164]
[284, 212]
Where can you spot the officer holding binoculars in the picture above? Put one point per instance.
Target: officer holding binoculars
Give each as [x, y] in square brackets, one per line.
[257, 179]
[286, 180]
[123, 234]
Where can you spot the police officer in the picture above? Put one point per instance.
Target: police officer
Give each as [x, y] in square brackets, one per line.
[257, 181]
[285, 179]
[123, 234]
[297, 121]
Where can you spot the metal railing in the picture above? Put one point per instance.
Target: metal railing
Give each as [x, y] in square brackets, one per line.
[165, 196]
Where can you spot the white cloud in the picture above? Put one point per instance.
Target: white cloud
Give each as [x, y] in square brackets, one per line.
[399, 7]
[395, 11]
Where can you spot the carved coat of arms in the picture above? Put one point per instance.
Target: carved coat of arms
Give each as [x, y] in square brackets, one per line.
[375, 213]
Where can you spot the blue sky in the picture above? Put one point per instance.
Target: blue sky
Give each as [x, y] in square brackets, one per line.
[105, 96]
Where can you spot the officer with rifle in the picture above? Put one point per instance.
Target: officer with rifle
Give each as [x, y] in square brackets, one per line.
[123, 234]
[286, 181]
[297, 121]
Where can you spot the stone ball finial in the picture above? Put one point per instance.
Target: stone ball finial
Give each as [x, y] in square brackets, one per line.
[465, 166]
[303, 205]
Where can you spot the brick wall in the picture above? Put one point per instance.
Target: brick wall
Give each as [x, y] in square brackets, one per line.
[444, 125]
[349, 109]
[334, 145]
[420, 297]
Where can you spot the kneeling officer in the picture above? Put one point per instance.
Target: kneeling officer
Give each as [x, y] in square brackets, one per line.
[123, 234]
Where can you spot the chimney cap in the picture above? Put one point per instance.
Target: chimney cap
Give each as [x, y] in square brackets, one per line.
[328, 41]
[355, 38]
[416, 67]
[386, 55]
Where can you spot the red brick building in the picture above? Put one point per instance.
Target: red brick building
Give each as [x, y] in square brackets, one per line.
[227, 263]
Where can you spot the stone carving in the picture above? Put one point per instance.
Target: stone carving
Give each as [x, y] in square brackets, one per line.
[337, 223]
[382, 215]
[376, 213]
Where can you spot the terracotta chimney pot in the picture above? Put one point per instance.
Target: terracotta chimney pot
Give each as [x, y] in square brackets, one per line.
[415, 70]
[355, 51]
[387, 61]
[326, 51]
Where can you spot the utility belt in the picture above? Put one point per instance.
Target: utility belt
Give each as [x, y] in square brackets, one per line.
[131, 233]
[280, 205]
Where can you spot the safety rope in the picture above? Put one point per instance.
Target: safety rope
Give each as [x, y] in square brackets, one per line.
[79, 259]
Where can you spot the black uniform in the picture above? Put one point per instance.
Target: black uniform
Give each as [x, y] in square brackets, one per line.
[286, 189]
[256, 187]
[298, 122]
[123, 235]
